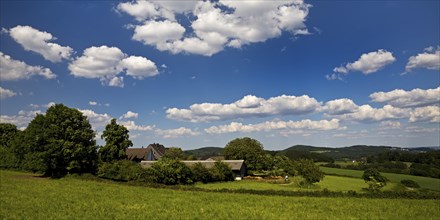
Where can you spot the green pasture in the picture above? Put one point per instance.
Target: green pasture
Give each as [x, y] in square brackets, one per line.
[424, 182]
[23, 196]
[332, 183]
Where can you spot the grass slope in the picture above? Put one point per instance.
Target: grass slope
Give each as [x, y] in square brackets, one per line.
[424, 182]
[23, 196]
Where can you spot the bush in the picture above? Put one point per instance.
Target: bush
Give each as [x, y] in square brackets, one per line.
[123, 170]
[201, 173]
[170, 172]
[221, 172]
[410, 183]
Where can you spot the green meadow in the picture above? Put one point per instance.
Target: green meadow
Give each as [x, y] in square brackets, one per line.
[25, 196]
[424, 182]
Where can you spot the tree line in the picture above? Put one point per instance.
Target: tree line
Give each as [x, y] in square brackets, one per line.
[62, 142]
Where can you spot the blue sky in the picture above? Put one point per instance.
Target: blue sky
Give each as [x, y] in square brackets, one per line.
[194, 74]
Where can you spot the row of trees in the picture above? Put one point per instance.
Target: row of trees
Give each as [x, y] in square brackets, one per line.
[59, 142]
[260, 162]
[62, 141]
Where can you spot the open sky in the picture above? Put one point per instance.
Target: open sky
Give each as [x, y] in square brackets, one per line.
[192, 74]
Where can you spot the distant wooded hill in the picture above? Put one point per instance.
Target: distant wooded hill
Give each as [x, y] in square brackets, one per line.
[324, 154]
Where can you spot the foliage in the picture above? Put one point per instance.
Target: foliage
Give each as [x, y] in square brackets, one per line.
[175, 153]
[117, 141]
[11, 152]
[170, 172]
[374, 179]
[63, 140]
[201, 173]
[221, 172]
[247, 149]
[410, 183]
[309, 171]
[122, 170]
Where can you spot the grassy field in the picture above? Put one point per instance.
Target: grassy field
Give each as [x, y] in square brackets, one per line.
[23, 196]
[424, 182]
[332, 183]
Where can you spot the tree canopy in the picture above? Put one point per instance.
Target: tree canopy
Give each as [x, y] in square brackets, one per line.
[247, 149]
[116, 142]
[60, 142]
[309, 171]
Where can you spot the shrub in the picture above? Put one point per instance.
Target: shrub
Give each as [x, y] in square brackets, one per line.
[170, 172]
[123, 170]
[410, 183]
[201, 173]
[221, 172]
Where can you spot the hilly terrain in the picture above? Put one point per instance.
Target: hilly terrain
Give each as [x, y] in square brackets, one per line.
[325, 154]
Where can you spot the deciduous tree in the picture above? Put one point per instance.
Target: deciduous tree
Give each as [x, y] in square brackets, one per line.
[247, 149]
[116, 142]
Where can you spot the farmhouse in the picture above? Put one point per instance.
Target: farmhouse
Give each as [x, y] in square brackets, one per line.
[152, 152]
[238, 167]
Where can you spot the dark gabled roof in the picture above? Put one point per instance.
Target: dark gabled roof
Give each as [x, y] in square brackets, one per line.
[136, 153]
[234, 164]
[141, 153]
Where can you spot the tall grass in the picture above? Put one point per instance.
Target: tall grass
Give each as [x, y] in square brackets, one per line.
[23, 196]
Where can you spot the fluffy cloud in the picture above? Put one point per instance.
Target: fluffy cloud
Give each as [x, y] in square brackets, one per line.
[130, 114]
[131, 126]
[368, 63]
[97, 120]
[16, 70]
[430, 59]
[427, 113]
[369, 114]
[214, 25]
[38, 41]
[176, 133]
[274, 125]
[105, 63]
[403, 99]
[93, 103]
[6, 93]
[340, 106]
[248, 106]
[21, 120]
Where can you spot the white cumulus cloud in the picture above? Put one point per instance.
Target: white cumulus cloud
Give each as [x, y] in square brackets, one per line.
[367, 113]
[427, 113]
[214, 25]
[130, 114]
[40, 42]
[13, 70]
[132, 126]
[248, 106]
[413, 98]
[275, 125]
[6, 93]
[177, 133]
[105, 63]
[21, 120]
[340, 106]
[430, 59]
[368, 63]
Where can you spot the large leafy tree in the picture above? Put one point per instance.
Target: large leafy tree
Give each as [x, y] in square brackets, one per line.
[8, 135]
[175, 153]
[247, 149]
[374, 179]
[116, 142]
[60, 142]
[309, 171]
